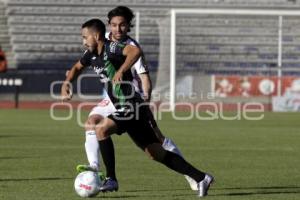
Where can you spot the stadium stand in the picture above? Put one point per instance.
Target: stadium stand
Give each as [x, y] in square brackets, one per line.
[5, 37]
[45, 34]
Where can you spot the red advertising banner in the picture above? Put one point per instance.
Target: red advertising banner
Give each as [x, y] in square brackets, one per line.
[247, 86]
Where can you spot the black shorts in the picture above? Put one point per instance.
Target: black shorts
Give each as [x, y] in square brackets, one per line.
[150, 116]
[138, 125]
[146, 112]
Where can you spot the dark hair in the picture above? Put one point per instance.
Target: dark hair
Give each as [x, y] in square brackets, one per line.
[96, 25]
[122, 11]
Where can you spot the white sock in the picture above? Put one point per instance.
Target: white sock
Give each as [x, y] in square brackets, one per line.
[92, 148]
[169, 145]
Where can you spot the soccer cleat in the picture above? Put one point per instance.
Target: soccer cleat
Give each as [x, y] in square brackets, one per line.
[83, 168]
[109, 185]
[204, 185]
[193, 184]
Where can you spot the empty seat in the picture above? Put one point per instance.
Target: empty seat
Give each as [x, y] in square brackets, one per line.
[50, 29]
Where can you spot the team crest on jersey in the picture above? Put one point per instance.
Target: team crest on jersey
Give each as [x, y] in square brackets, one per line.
[105, 57]
[112, 47]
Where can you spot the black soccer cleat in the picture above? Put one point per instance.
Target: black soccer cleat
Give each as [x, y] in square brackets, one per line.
[109, 185]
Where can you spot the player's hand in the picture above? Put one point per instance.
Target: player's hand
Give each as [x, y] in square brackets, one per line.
[67, 72]
[66, 91]
[117, 77]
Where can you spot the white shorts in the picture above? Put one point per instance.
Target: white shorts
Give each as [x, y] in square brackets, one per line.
[104, 108]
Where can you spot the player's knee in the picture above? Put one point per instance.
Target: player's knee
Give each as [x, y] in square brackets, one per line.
[101, 132]
[149, 154]
[89, 124]
[153, 157]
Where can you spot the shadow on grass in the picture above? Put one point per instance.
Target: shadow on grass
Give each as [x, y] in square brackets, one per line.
[263, 190]
[100, 196]
[150, 193]
[8, 136]
[162, 190]
[257, 193]
[260, 191]
[34, 179]
[14, 157]
[259, 188]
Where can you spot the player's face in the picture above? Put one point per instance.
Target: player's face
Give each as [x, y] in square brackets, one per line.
[118, 27]
[89, 39]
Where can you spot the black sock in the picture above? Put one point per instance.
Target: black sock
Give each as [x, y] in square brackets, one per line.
[178, 164]
[108, 156]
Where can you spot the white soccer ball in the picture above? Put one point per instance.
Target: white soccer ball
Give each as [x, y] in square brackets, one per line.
[87, 184]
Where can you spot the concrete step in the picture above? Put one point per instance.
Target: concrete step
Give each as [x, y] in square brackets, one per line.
[3, 20]
[3, 30]
[3, 26]
[4, 38]
[2, 10]
[5, 44]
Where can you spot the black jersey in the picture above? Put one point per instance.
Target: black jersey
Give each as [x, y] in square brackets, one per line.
[106, 65]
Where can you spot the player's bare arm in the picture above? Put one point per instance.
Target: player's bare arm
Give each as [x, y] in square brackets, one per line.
[132, 54]
[146, 86]
[66, 93]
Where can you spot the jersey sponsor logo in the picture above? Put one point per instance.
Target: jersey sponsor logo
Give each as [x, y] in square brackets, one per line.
[98, 69]
[102, 73]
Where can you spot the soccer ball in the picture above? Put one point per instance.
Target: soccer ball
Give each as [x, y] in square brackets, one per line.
[87, 184]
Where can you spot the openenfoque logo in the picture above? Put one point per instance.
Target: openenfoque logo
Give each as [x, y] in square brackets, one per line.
[206, 109]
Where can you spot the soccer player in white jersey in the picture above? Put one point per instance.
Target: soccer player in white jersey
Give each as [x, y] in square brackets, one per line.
[119, 20]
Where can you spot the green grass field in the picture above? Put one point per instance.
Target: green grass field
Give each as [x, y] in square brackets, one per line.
[249, 159]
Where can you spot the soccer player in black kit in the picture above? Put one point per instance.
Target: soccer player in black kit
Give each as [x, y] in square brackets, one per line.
[112, 62]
